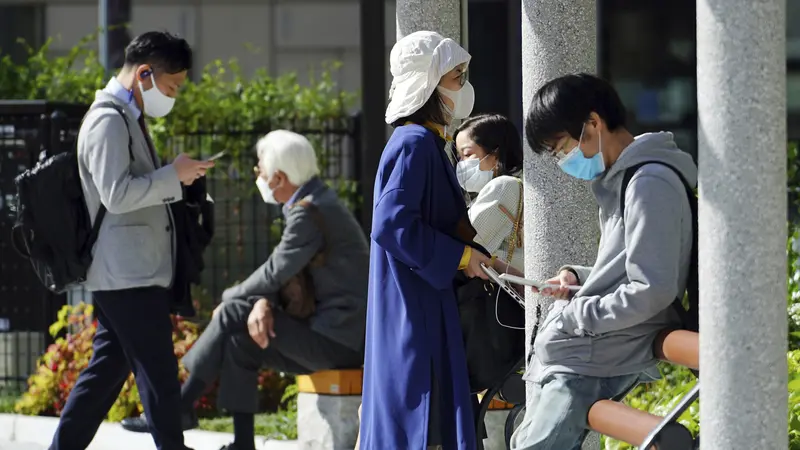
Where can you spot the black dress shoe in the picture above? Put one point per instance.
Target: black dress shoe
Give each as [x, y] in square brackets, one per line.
[139, 424]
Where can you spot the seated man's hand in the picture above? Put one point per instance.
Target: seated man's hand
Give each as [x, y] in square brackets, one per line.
[260, 323]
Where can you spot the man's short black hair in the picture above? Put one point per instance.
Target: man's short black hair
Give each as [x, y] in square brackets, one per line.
[564, 105]
[162, 50]
[432, 111]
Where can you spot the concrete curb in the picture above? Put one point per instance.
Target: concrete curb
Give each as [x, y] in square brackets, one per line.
[111, 436]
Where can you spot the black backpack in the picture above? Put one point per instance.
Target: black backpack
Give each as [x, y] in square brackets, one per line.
[53, 228]
[688, 310]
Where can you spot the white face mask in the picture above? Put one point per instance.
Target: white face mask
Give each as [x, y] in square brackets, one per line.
[265, 191]
[463, 100]
[156, 103]
[471, 177]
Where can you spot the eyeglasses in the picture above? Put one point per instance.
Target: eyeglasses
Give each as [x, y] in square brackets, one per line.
[557, 152]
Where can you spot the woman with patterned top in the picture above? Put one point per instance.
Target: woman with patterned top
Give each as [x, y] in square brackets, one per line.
[490, 149]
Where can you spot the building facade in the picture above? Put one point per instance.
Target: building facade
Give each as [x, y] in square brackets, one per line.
[277, 35]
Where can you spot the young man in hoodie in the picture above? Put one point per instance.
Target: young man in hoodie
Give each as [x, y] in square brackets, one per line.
[598, 343]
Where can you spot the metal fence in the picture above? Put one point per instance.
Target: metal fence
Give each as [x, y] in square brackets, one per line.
[245, 227]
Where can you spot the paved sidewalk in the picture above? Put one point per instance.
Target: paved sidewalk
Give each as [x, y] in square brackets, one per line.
[34, 433]
[5, 445]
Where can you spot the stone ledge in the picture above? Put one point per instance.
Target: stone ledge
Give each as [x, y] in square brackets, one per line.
[495, 421]
[111, 436]
[327, 422]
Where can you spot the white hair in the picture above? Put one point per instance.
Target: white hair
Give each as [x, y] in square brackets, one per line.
[288, 152]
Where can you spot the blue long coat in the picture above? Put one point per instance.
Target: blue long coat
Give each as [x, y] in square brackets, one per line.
[413, 327]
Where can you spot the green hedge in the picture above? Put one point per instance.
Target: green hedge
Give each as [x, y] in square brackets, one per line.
[221, 100]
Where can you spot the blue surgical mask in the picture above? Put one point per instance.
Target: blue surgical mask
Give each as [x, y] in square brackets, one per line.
[579, 166]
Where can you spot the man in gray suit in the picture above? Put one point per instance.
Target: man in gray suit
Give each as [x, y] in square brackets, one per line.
[132, 270]
[250, 329]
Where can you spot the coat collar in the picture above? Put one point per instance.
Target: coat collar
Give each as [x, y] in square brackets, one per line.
[308, 188]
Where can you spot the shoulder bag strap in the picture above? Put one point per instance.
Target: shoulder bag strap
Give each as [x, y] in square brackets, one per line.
[101, 212]
[316, 215]
[514, 238]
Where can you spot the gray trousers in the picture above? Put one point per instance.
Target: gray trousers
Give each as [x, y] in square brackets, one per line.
[226, 351]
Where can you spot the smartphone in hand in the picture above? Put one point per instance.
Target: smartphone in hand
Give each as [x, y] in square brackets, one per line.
[540, 285]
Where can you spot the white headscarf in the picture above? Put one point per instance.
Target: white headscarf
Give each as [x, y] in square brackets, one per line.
[417, 63]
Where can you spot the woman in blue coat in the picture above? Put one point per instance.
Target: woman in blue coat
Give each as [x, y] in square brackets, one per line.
[416, 391]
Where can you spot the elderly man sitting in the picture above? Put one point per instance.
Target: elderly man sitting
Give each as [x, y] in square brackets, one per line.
[302, 311]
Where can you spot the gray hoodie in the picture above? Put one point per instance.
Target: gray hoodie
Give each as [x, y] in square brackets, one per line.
[642, 265]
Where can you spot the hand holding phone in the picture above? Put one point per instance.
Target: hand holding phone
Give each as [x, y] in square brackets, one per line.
[539, 285]
[494, 277]
[563, 281]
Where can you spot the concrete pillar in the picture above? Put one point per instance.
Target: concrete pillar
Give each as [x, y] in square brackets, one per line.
[441, 16]
[741, 85]
[558, 37]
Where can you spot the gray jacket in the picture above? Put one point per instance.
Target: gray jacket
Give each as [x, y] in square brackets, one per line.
[340, 283]
[642, 265]
[135, 245]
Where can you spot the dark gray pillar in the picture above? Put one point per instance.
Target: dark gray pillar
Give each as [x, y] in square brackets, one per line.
[373, 101]
[114, 16]
[741, 85]
[558, 37]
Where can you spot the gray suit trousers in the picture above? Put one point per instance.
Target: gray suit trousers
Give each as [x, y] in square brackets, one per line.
[226, 351]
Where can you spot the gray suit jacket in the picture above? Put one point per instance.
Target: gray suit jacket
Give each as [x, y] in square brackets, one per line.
[135, 245]
[340, 283]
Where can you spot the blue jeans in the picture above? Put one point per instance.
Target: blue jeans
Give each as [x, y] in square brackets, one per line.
[556, 413]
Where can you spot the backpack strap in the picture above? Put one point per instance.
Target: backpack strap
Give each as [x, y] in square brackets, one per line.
[101, 212]
[121, 112]
[689, 318]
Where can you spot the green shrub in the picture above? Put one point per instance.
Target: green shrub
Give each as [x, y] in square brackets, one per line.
[222, 104]
[58, 370]
[222, 97]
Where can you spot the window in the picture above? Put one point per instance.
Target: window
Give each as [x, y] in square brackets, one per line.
[20, 22]
[793, 69]
[648, 52]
